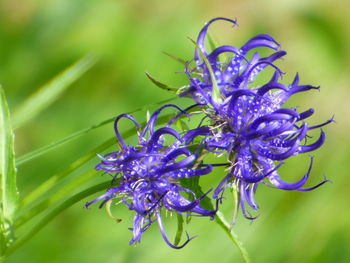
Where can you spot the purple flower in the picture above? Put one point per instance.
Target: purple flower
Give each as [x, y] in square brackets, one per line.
[149, 175]
[248, 121]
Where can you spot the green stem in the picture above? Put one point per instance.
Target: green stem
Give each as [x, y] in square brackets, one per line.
[56, 211]
[220, 219]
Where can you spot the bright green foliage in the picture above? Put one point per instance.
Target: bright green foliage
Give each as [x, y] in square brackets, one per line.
[48, 93]
[8, 187]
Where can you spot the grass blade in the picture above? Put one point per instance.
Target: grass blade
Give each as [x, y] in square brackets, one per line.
[54, 180]
[36, 153]
[48, 93]
[47, 148]
[8, 186]
[56, 211]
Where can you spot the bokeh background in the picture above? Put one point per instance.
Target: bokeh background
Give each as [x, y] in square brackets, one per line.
[38, 39]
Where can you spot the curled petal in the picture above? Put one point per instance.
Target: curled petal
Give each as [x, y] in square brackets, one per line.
[289, 112]
[266, 131]
[306, 114]
[203, 33]
[296, 80]
[223, 49]
[110, 193]
[261, 40]
[181, 114]
[276, 180]
[248, 191]
[203, 171]
[256, 67]
[302, 88]
[176, 153]
[191, 134]
[236, 94]
[181, 204]
[127, 116]
[290, 142]
[279, 156]
[255, 179]
[181, 164]
[157, 134]
[275, 56]
[315, 145]
[222, 185]
[314, 187]
[322, 124]
[246, 214]
[152, 121]
[270, 86]
[161, 228]
[269, 118]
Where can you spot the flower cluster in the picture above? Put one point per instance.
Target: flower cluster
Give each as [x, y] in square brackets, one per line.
[241, 119]
[149, 175]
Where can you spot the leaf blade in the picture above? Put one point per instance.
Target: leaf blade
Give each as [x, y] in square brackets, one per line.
[160, 84]
[9, 192]
[47, 148]
[56, 211]
[9, 197]
[180, 60]
[50, 91]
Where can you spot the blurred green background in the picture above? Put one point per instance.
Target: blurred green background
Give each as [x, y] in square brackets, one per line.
[38, 39]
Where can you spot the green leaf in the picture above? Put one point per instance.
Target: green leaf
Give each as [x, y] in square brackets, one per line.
[180, 60]
[53, 199]
[39, 152]
[56, 211]
[161, 85]
[215, 88]
[48, 93]
[47, 148]
[180, 229]
[54, 180]
[9, 193]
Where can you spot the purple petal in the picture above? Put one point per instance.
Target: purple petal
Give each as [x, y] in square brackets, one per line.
[127, 116]
[261, 40]
[315, 145]
[276, 180]
[203, 33]
[161, 228]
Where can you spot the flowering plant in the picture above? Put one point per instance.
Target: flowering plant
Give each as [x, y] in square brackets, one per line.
[234, 121]
[244, 121]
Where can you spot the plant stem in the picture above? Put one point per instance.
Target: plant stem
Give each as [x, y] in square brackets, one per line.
[220, 219]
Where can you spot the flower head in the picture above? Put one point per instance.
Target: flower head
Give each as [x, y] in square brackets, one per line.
[149, 175]
[249, 122]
